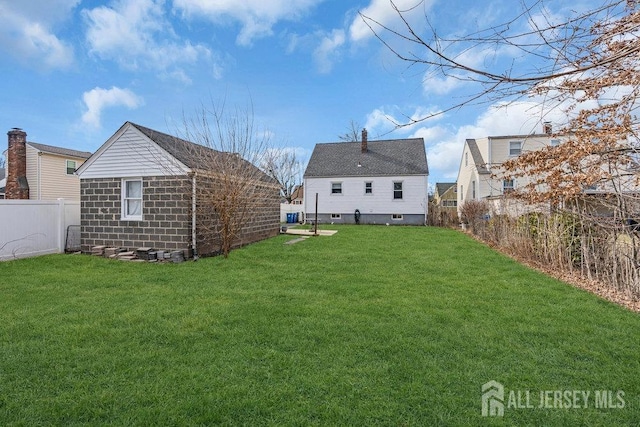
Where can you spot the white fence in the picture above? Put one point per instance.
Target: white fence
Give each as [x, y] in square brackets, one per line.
[286, 208]
[35, 227]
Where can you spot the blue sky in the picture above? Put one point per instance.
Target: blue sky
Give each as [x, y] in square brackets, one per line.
[74, 71]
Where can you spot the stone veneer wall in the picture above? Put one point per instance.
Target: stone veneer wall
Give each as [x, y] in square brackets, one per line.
[166, 214]
[261, 221]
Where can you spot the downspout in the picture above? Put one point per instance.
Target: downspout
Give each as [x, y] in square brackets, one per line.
[193, 217]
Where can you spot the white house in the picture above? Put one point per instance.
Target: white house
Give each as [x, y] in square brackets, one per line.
[372, 182]
[479, 175]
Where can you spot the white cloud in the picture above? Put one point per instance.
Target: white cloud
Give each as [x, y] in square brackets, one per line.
[257, 17]
[382, 12]
[27, 32]
[440, 86]
[136, 34]
[97, 99]
[327, 52]
[384, 120]
[444, 146]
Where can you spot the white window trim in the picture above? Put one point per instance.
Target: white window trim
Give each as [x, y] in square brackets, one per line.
[393, 193]
[123, 200]
[365, 188]
[519, 150]
[397, 217]
[66, 168]
[336, 216]
[341, 188]
[506, 189]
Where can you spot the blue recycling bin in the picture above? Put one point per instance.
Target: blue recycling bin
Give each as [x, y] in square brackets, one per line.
[289, 218]
[295, 217]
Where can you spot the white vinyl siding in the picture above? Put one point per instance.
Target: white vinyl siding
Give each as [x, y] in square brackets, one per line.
[381, 201]
[130, 153]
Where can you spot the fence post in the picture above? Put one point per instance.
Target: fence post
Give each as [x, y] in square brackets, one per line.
[61, 226]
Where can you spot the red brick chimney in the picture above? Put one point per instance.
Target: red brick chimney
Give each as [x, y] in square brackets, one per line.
[17, 186]
[364, 140]
[547, 128]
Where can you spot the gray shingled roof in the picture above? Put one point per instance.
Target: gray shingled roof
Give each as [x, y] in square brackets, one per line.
[189, 153]
[60, 151]
[481, 165]
[442, 187]
[383, 158]
[195, 156]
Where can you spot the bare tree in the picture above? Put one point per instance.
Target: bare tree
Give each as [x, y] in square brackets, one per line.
[283, 166]
[586, 66]
[353, 134]
[233, 191]
[544, 54]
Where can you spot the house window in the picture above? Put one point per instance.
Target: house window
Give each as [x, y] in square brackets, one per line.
[515, 148]
[466, 159]
[336, 216]
[449, 203]
[71, 167]
[555, 142]
[397, 190]
[336, 188]
[508, 186]
[132, 199]
[368, 188]
[473, 190]
[397, 217]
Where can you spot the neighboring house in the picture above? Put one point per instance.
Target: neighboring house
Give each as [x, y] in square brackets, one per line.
[385, 182]
[140, 190]
[479, 172]
[446, 196]
[297, 197]
[41, 172]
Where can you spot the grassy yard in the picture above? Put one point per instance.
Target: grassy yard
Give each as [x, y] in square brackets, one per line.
[374, 325]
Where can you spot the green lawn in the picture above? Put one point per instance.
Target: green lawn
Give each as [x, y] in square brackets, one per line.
[374, 325]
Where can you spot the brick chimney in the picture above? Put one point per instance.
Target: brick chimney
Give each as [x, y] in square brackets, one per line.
[17, 186]
[547, 128]
[364, 140]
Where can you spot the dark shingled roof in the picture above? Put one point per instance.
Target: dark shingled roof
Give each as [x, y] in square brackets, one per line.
[442, 187]
[189, 153]
[196, 156]
[477, 157]
[60, 151]
[383, 158]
